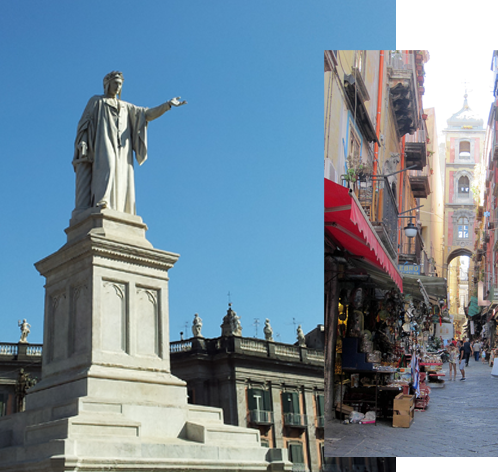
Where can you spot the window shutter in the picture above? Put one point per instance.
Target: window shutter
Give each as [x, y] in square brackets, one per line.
[287, 402]
[252, 404]
[296, 453]
[266, 401]
[320, 407]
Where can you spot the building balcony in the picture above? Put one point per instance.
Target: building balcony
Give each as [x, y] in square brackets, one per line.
[404, 92]
[387, 227]
[261, 417]
[295, 420]
[420, 185]
[416, 150]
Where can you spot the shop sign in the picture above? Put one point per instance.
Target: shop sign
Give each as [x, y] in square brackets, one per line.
[409, 269]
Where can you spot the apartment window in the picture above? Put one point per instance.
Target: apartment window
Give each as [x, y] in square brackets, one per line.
[463, 228]
[463, 186]
[464, 150]
[296, 452]
[259, 406]
[320, 411]
[292, 410]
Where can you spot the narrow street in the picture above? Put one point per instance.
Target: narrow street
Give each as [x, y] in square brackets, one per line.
[460, 421]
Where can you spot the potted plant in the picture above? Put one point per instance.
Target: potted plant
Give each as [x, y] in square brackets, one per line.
[424, 116]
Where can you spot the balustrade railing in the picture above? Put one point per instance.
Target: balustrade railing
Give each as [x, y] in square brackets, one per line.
[295, 419]
[8, 349]
[260, 417]
[20, 349]
[253, 345]
[180, 346]
[290, 351]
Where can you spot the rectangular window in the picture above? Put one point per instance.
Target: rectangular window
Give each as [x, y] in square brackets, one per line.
[292, 410]
[258, 399]
[463, 231]
[259, 406]
[265, 442]
[320, 408]
[296, 453]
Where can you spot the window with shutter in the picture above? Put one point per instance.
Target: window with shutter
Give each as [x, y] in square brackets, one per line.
[296, 453]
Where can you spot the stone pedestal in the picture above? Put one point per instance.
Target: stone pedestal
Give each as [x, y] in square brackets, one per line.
[107, 399]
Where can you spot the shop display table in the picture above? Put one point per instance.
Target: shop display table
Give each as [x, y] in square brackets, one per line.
[368, 395]
[434, 373]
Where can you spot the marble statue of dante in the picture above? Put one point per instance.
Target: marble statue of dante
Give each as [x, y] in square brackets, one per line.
[109, 133]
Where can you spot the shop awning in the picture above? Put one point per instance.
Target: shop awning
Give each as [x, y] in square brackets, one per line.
[349, 226]
[435, 287]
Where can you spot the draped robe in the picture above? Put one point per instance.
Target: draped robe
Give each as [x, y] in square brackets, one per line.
[114, 131]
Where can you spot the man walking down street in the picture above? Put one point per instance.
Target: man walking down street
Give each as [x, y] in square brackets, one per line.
[468, 351]
[477, 349]
[462, 361]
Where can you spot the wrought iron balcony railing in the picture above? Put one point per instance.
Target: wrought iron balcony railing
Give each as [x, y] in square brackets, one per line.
[296, 420]
[260, 417]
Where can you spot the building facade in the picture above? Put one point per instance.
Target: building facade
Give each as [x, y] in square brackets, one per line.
[20, 363]
[274, 387]
[382, 146]
[486, 255]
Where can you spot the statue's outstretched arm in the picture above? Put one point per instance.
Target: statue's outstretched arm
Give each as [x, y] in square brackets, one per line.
[153, 113]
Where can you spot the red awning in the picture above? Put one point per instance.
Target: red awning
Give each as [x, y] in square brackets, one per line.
[349, 226]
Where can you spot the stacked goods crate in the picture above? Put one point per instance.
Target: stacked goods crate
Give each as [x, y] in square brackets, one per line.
[403, 408]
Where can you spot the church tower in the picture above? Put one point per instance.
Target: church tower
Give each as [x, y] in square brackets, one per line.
[464, 143]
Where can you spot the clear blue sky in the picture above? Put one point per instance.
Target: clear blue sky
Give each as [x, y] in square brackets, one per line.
[234, 180]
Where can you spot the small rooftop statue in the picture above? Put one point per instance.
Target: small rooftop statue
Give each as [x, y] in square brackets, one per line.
[231, 323]
[197, 326]
[268, 330]
[300, 337]
[24, 330]
[109, 133]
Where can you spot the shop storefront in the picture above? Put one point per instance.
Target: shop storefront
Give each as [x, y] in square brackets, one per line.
[380, 325]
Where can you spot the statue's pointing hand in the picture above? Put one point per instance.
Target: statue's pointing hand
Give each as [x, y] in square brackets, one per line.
[175, 102]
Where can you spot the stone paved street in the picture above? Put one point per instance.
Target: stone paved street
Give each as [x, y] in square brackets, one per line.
[461, 420]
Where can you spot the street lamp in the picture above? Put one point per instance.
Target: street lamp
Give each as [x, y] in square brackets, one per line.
[410, 230]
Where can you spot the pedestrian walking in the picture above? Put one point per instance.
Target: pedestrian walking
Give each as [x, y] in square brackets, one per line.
[462, 361]
[453, 351]
[468, 351]
[477, 350]
[483, 355]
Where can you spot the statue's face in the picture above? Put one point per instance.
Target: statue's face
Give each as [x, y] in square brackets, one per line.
[115, 86]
